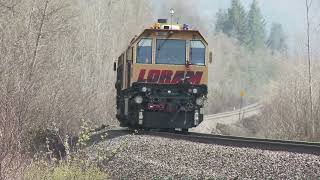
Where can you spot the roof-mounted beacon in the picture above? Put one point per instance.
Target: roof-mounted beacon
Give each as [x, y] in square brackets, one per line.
[163, 24]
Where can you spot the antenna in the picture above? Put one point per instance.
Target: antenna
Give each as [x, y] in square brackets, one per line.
[178, 20]
[171, 14]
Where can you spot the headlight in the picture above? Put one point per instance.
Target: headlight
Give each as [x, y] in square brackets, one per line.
[200, 101]
[144, 89]
[195, 91]
[138, 99]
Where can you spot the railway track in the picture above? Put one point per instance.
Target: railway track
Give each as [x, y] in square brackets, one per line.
[233, 141]
[244, 142]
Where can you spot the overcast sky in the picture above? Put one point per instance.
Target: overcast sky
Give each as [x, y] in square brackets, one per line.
[290, 13]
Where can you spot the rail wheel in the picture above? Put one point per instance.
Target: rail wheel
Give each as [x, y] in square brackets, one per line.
[185, 130]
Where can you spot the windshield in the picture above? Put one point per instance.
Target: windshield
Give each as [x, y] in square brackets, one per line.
[171, 51]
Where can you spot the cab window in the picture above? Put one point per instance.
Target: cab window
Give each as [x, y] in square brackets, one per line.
[197, 53]
[144, 51]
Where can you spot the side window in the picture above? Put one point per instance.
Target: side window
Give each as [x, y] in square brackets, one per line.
[129, 61]
[129, 54]
[119, 83]
[144, 51]
[197, 53]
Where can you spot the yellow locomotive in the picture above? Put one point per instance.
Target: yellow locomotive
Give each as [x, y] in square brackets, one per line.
[162, 78]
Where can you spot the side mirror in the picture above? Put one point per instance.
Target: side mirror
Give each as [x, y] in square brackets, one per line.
[210, 57]
[114, 66]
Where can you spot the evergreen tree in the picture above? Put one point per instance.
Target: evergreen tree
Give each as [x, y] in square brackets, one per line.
[222, 24]
[237, 19]
[256, 26]
[277, 38]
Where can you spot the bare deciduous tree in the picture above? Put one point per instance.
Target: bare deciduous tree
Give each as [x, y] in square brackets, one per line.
[312, 119]
[11, 156]
[55, 59]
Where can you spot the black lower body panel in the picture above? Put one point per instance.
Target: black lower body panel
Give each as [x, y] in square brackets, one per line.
[161, 106]
[168, 119]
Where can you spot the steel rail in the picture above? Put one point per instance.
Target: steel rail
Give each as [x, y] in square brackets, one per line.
[243, 142]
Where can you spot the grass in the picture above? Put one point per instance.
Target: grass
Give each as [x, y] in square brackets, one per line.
[63, 171]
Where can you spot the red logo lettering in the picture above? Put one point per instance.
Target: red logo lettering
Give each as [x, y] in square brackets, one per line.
[165, 77]
[178, 77]
[168, 77]
[153, 76]
[194, 78]
[141, 76]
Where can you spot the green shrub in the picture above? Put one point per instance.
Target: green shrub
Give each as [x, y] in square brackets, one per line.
[72, 165]
[43, 140]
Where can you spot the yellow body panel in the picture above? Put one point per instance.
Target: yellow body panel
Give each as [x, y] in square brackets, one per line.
[164, 73]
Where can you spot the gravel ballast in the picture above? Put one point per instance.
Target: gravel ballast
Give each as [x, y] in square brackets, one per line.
[151, 157]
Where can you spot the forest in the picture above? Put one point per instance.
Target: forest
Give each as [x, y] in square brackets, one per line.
[57, 78]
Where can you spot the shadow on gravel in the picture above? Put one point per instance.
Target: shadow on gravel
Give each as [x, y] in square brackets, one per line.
[56, 145]
[99, 135]
[107, 135]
